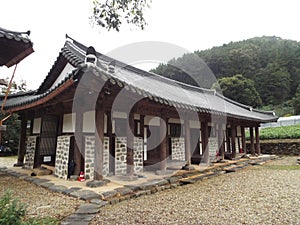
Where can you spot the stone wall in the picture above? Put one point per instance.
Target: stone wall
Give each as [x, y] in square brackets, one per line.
[62, 156]
[279, 147]
[90, 156]
[138, 154]
[30, 151]
[178, 148]
[106, 156]
[120, 156]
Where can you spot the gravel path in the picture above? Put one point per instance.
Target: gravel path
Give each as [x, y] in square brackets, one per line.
[40, 202]
[268, 194]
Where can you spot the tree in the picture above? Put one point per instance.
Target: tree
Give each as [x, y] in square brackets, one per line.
[273, 84]
[110, 14]
[296, 101]
[10, 137]
[240, 89]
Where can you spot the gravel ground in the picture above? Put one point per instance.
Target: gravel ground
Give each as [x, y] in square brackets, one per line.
[40, 202]
[268, 194]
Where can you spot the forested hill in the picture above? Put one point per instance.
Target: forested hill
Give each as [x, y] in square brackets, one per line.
[267, 67]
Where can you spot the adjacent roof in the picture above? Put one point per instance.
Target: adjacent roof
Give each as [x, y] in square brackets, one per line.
[149, 85]
[14, 46]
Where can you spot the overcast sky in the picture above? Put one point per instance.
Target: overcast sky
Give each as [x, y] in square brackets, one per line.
[190, 24]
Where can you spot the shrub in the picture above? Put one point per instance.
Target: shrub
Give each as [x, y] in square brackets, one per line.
[11, 210]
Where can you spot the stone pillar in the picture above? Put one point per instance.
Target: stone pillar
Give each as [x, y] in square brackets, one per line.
[22, 143]
[78, 150]
[257, 146]
[243, 139]
[99, 141]
[252, 150]
[204, 134]
[233, 144]
[163, 144]
[130, 142]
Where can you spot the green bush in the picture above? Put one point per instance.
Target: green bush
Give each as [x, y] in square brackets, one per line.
[11, 210]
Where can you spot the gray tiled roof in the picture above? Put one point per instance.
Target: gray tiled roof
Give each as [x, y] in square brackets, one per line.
[155, 87]
[17, 36]
[14, 46]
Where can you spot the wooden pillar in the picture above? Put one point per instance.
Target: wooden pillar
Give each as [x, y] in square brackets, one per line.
[78, 150]
[130, 142]
[187, 142]
[243, 139]
[233, 144]
[252, 150]
[99, 140]
[111, 144]
[257, 146]
[228, 148]
[163, 144]
[221, 139]
[204, 133]
[22, 143]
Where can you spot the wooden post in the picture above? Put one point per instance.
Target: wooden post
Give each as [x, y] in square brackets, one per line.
[111, 157]
[163, 144]
[228, 148]
[22, 143]
[204, 133]
[187, 142]
[233, 144]
[243, 139]
[252, 150]
[78, 150]
[99, 139]
[221, 140]
[130, 142]
[257, 146]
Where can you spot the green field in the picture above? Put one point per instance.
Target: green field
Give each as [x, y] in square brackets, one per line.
[286, 132]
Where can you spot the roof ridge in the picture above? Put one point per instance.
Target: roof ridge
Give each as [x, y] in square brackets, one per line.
[141, 71]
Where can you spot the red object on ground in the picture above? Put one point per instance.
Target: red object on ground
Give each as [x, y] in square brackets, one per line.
[81, 177]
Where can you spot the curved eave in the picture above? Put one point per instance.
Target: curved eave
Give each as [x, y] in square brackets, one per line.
[44, 98]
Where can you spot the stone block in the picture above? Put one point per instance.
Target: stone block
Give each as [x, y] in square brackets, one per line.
[97, 183]
[85, 195]
[88, 209]
[109, 195]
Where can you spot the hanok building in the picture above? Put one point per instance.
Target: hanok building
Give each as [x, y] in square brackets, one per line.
[114, 119]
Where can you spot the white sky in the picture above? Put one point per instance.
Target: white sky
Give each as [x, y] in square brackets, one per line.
[190, 24]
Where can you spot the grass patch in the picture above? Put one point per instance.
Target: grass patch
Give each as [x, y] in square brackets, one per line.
[281, 167]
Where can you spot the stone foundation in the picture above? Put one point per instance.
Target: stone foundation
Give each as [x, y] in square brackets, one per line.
[120, 156]
[106, 156]
[62, 156]
[178, 148]
[30, 152]
[90, 156]
[138, 154]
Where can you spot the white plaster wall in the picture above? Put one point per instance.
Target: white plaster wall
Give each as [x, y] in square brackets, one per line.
[89, 122]
[69, 123]
[152, 120]
[36, 129]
